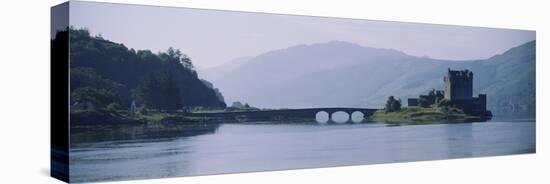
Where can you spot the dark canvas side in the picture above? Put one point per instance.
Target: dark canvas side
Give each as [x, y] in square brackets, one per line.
[59, 99]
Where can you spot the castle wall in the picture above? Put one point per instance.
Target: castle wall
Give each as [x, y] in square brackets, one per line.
[458, 85]
[447, 81]
[473, 105]
[412, 102]
[458, 91]
[481, 102]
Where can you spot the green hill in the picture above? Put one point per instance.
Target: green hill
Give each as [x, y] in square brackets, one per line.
[103, 72]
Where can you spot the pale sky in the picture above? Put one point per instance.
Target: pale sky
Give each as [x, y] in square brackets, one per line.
[212, 37]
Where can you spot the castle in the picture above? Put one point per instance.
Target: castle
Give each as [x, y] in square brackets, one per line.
[458, 93]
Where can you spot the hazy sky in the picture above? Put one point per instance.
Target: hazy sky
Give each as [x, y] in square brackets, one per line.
[212, 38]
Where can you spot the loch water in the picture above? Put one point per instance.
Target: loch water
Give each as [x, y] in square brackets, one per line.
[264, 146]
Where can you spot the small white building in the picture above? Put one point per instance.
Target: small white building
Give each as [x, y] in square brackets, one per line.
[132, 110]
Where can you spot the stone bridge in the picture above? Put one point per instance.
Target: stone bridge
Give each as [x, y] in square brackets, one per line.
[307, 114]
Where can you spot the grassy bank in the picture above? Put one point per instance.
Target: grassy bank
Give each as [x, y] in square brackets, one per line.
[94, 126]
[433, 115]
[119, 118]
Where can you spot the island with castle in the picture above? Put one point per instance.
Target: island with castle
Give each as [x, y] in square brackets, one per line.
[454, 104]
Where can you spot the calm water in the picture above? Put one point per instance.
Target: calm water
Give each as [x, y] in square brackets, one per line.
[260, 147]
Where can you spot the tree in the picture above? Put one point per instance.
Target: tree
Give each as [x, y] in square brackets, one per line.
[392, 104]
[176, 55]
[113, 107]
[157, 90]
[146, 92]
[98, 97]
[171, 98]
[424, 102]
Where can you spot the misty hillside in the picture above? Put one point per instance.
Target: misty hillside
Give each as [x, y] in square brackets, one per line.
[218, 72]
[346, 74]
[272, 68]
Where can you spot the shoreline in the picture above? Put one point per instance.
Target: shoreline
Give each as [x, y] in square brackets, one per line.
[432, 115]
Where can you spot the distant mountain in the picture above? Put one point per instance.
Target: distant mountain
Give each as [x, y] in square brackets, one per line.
[346, 74]
[280, 67]
[513, 83]
[217, 72]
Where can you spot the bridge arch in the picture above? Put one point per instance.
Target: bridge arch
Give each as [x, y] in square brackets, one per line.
[322, 117]
[340, 117]
[357, 116]
[288, 114]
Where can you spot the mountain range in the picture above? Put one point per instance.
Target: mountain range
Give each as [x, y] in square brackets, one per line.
[345, 74]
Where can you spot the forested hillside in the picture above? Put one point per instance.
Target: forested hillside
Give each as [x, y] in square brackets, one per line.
[105, 73]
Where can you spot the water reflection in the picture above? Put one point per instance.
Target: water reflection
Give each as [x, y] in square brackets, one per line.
[459, 140]
[138, 132]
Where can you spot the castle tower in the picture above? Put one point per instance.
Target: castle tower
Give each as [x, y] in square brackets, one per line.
[458, 84]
